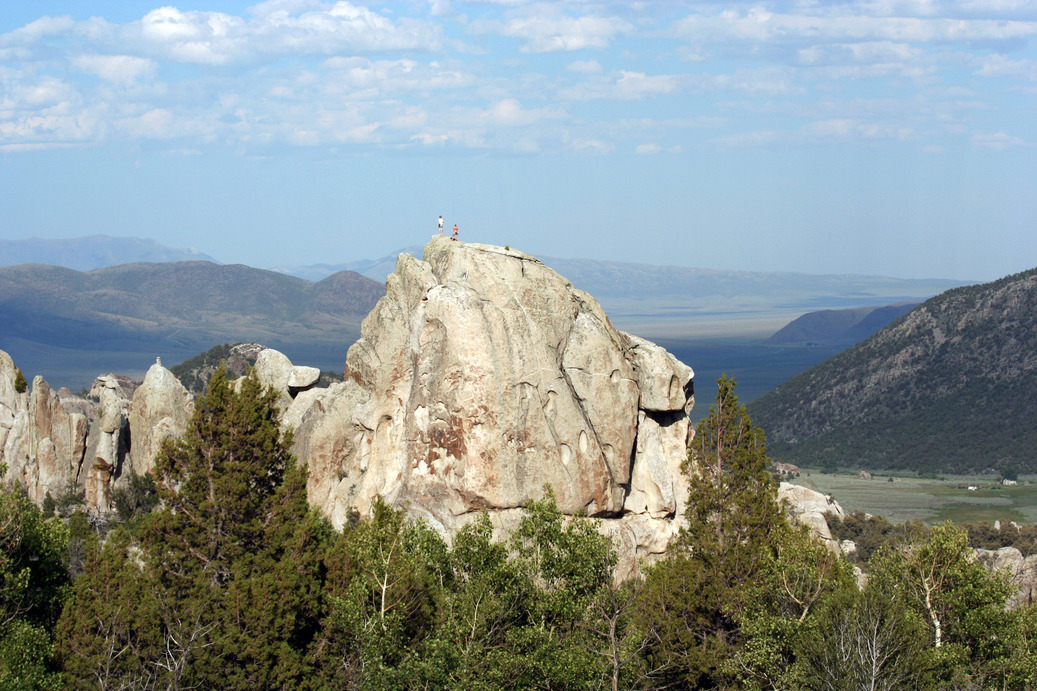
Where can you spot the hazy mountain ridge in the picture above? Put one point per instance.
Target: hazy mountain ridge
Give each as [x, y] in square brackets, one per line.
[948, 386]
[839, 327]
[697, 313]
[612, 279]
[93, 252]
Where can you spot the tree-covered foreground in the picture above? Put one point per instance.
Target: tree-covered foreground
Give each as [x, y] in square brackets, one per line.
[220, 576]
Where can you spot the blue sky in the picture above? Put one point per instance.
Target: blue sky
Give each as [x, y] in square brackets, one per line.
[877, 137]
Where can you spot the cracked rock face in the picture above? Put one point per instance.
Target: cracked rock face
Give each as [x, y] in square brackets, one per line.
[483, 376]
[43, 444]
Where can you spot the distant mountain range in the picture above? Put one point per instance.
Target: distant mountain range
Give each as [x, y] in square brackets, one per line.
[93, 252]
[951, 385]
[624, 280]
[698, 314]
[675, 302]
[376, 269]
[73, 325]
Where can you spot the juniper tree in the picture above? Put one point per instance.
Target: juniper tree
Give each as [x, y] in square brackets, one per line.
[233, 562]
[695, 602]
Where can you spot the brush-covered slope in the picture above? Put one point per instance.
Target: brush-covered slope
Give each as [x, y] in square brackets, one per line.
[952, 385]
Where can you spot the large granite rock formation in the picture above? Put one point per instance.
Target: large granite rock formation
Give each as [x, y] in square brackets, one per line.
[482, 377]
[108, 440]
[12, 404]
[45, 444]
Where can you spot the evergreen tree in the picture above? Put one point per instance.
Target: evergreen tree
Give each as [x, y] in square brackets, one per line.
[733, 515]
[696, 604]
[217, 478]
[33, 587]
[110, 635]
[224, 588]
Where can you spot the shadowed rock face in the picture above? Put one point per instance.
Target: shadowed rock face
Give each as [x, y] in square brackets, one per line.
[483, 376]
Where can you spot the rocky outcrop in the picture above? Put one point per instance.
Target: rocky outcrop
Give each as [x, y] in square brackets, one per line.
[275, 370]
[161, 409]
[14, 409]
[481, 378]
[108, 441]
[45, 444]
[1022, 573]
[810, 508]
[50, 441]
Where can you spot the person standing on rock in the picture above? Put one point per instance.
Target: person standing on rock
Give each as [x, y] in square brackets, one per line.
[440, 225]
[454, 236]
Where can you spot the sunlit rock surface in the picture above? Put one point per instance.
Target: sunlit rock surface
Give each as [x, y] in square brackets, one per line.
[480, 378]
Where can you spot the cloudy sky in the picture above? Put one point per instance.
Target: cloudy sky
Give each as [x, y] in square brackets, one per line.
[889, 137]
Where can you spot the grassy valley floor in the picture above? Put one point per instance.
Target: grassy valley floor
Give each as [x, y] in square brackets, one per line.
[931, 501]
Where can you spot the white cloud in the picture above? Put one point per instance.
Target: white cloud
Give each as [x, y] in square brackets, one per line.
[120, 69]
[551, 31]
[623, 86]
[276, 28]
[759, 25]
[771, 81]
[865, 51]
[44, 27]
[377, 78]
[317, 72]
[584, 66]
[283, 7]
[1002, 66]
[996, 141]
[850, 129]
[589, 146]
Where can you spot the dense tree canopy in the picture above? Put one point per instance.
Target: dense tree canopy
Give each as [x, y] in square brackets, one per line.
[231, 581]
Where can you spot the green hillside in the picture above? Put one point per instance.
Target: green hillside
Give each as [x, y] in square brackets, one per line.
[951, 386]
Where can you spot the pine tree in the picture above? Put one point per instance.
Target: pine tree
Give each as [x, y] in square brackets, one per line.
[20, 385]
[233, 563]
[217, 478]
[733, 513]
[695, 603]
[110, 635]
